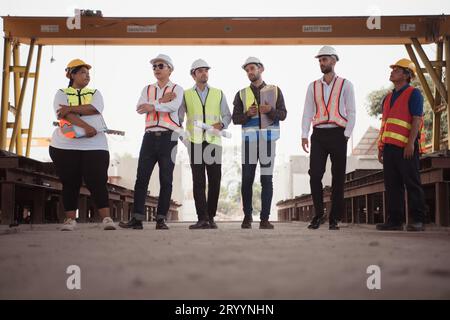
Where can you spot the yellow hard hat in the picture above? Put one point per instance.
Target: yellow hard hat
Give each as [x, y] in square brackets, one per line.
[76, 63]
[406, 64]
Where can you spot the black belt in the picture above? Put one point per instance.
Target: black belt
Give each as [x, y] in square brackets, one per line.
[159, 133]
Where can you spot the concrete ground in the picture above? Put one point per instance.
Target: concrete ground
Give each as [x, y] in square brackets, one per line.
[290, 262]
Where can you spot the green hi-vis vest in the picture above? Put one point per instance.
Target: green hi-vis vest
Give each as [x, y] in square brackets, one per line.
[208, 113]
[78, 97]
[74, 98]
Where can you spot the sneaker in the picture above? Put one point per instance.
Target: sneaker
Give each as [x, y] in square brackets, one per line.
[108, 224]
[132, 224]
[389, 226]
[69, 224]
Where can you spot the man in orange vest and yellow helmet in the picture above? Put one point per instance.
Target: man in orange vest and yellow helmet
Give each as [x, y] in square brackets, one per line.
[400, 143]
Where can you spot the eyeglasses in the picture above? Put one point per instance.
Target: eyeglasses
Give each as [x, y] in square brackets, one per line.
[159, 65]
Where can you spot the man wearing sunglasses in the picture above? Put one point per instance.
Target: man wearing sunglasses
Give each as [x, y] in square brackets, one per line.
[207, 105]
[160, 103]
[260, 130]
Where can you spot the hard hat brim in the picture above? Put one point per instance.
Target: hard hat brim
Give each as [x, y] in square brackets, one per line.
[68, 70]
[163, 60]
[257, 63]
[327, 55]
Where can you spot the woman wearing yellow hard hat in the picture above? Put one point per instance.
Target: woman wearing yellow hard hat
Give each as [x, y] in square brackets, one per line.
[84, 156]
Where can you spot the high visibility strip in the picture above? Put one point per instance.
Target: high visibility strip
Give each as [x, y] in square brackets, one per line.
[395, 136]
[399, 122]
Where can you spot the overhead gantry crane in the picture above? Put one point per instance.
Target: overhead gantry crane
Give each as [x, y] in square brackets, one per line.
[410, 31]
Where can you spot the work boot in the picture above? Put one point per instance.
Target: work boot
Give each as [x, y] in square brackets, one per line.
[161, 225]
[417, 226]
[212, 224]
[247, 222]
[333, 225]
[265, 224]
[201, 224]
[132, 224]
[316, 222]
[390, 226]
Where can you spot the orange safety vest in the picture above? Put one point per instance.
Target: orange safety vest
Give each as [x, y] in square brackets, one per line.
[396, 122]
[158, 118]
[328, 113]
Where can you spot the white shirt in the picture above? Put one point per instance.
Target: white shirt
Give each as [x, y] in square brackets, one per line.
[172, 106]
[97, 142]
[347, 107]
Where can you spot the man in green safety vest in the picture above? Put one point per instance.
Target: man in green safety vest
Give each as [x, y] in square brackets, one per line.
[205, 105]
[258, 108]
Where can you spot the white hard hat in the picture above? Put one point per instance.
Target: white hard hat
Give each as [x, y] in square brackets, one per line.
[327, 51]
[251, 60]
[199, 63]
[163, 57]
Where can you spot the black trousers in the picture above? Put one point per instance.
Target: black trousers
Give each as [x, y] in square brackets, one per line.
[161, 148]
[324, 142]
[261, 151]
[73, 166]
[398, 173]
[206, 157]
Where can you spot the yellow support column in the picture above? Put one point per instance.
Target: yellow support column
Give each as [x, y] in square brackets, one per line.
[5, 92]
[16, 77]
[33, 101]
[21, 98]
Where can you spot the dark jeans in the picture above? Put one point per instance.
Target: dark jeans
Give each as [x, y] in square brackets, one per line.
[324, 142]
[399, 172]
[156, 148]
[261, 151]
[73, 166]
[209, 160]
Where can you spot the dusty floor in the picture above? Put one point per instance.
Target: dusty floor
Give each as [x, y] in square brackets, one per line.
[290, 262]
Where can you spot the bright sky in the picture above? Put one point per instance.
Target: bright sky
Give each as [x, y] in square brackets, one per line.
[120, 73]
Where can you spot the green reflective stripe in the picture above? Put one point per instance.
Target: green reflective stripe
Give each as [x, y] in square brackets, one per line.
[399, 122]
[395, 136]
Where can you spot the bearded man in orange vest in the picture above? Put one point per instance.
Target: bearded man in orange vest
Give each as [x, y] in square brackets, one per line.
[330, 107]
[400, 143]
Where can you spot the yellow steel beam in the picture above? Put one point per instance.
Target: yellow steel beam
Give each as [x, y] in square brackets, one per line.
[227, 31]
[5, 92]
[421, 76]
[21, 98]
[433, 74]
[16, 81]
[33, 101]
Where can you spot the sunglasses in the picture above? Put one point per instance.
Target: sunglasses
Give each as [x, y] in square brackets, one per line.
[160, 66]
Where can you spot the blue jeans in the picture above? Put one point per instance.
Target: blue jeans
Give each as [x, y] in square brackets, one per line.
[261, 151]
[156, 148]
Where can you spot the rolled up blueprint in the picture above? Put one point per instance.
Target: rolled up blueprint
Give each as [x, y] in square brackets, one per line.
[211, 129]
